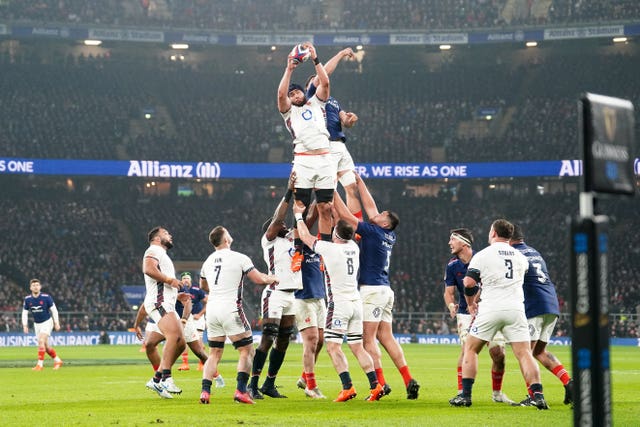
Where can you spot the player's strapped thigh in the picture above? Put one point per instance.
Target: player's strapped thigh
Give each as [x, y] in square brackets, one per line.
[216, 344]
[324, 195]
[270, 329]
[303, 195]
[45, 327]
[348, 178]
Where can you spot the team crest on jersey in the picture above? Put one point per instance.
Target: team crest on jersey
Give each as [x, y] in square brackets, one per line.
[307, 114]
[376, 312]
[532, 330]
[337, 323]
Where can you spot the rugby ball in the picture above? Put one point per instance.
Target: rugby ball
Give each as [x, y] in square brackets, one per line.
[299, 54]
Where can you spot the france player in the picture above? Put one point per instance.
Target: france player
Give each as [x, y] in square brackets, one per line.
[45, 319]
[196, 322]
[542, 310]
[377, 240]
[460, 242]
[311, 315]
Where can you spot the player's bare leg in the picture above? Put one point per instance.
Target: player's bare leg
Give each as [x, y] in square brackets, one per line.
[211, 367]
[394, 350]
[497, 354]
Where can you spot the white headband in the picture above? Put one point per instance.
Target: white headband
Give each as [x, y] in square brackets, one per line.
[461, 238]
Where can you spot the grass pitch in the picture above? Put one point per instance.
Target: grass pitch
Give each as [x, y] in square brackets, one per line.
[105, 385]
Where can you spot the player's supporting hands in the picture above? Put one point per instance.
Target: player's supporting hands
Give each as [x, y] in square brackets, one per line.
[291, 185]
[298, 207]
[56, 326]
[25, 329]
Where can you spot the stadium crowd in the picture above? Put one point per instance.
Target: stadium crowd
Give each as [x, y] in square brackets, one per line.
[255, 15]
[85, 107]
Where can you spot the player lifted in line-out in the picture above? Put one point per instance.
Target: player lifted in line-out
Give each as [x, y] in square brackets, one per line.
[196, 319]
[500, 269]
[45, 320]
[160, 304]
[278, 311]
[223, 273]
[312, 160]
[542, 310]
[344, 306]
[460, 242]
[377, 240]
[337, 118]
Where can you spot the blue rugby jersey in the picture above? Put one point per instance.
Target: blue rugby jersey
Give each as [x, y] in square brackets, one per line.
[39, 306]
[376, 244]
[539, 291]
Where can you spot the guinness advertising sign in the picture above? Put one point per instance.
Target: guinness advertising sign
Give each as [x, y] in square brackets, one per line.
[607, 126]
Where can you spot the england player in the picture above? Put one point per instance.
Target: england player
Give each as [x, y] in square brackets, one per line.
[500, 269]
[344, 306]
[223, 273]
[337, 118]
[460, 242]
[377, 240]
[312, 162]
[160, 305]
[195, 323]
[278, 311]
[45, 320]
[542, 310]
[153, 336]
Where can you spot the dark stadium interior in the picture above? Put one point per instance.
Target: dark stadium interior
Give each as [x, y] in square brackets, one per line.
[84, 236]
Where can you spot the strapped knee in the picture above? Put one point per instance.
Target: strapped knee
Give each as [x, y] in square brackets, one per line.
[286, 332]
[270, 330]
[216, 344]
[243, 342]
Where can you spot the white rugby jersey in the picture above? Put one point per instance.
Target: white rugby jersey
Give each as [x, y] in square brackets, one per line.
[277, 255]
[341, 262]
[501, 268]
[224, 271]
[308, 125]
[160, 292]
